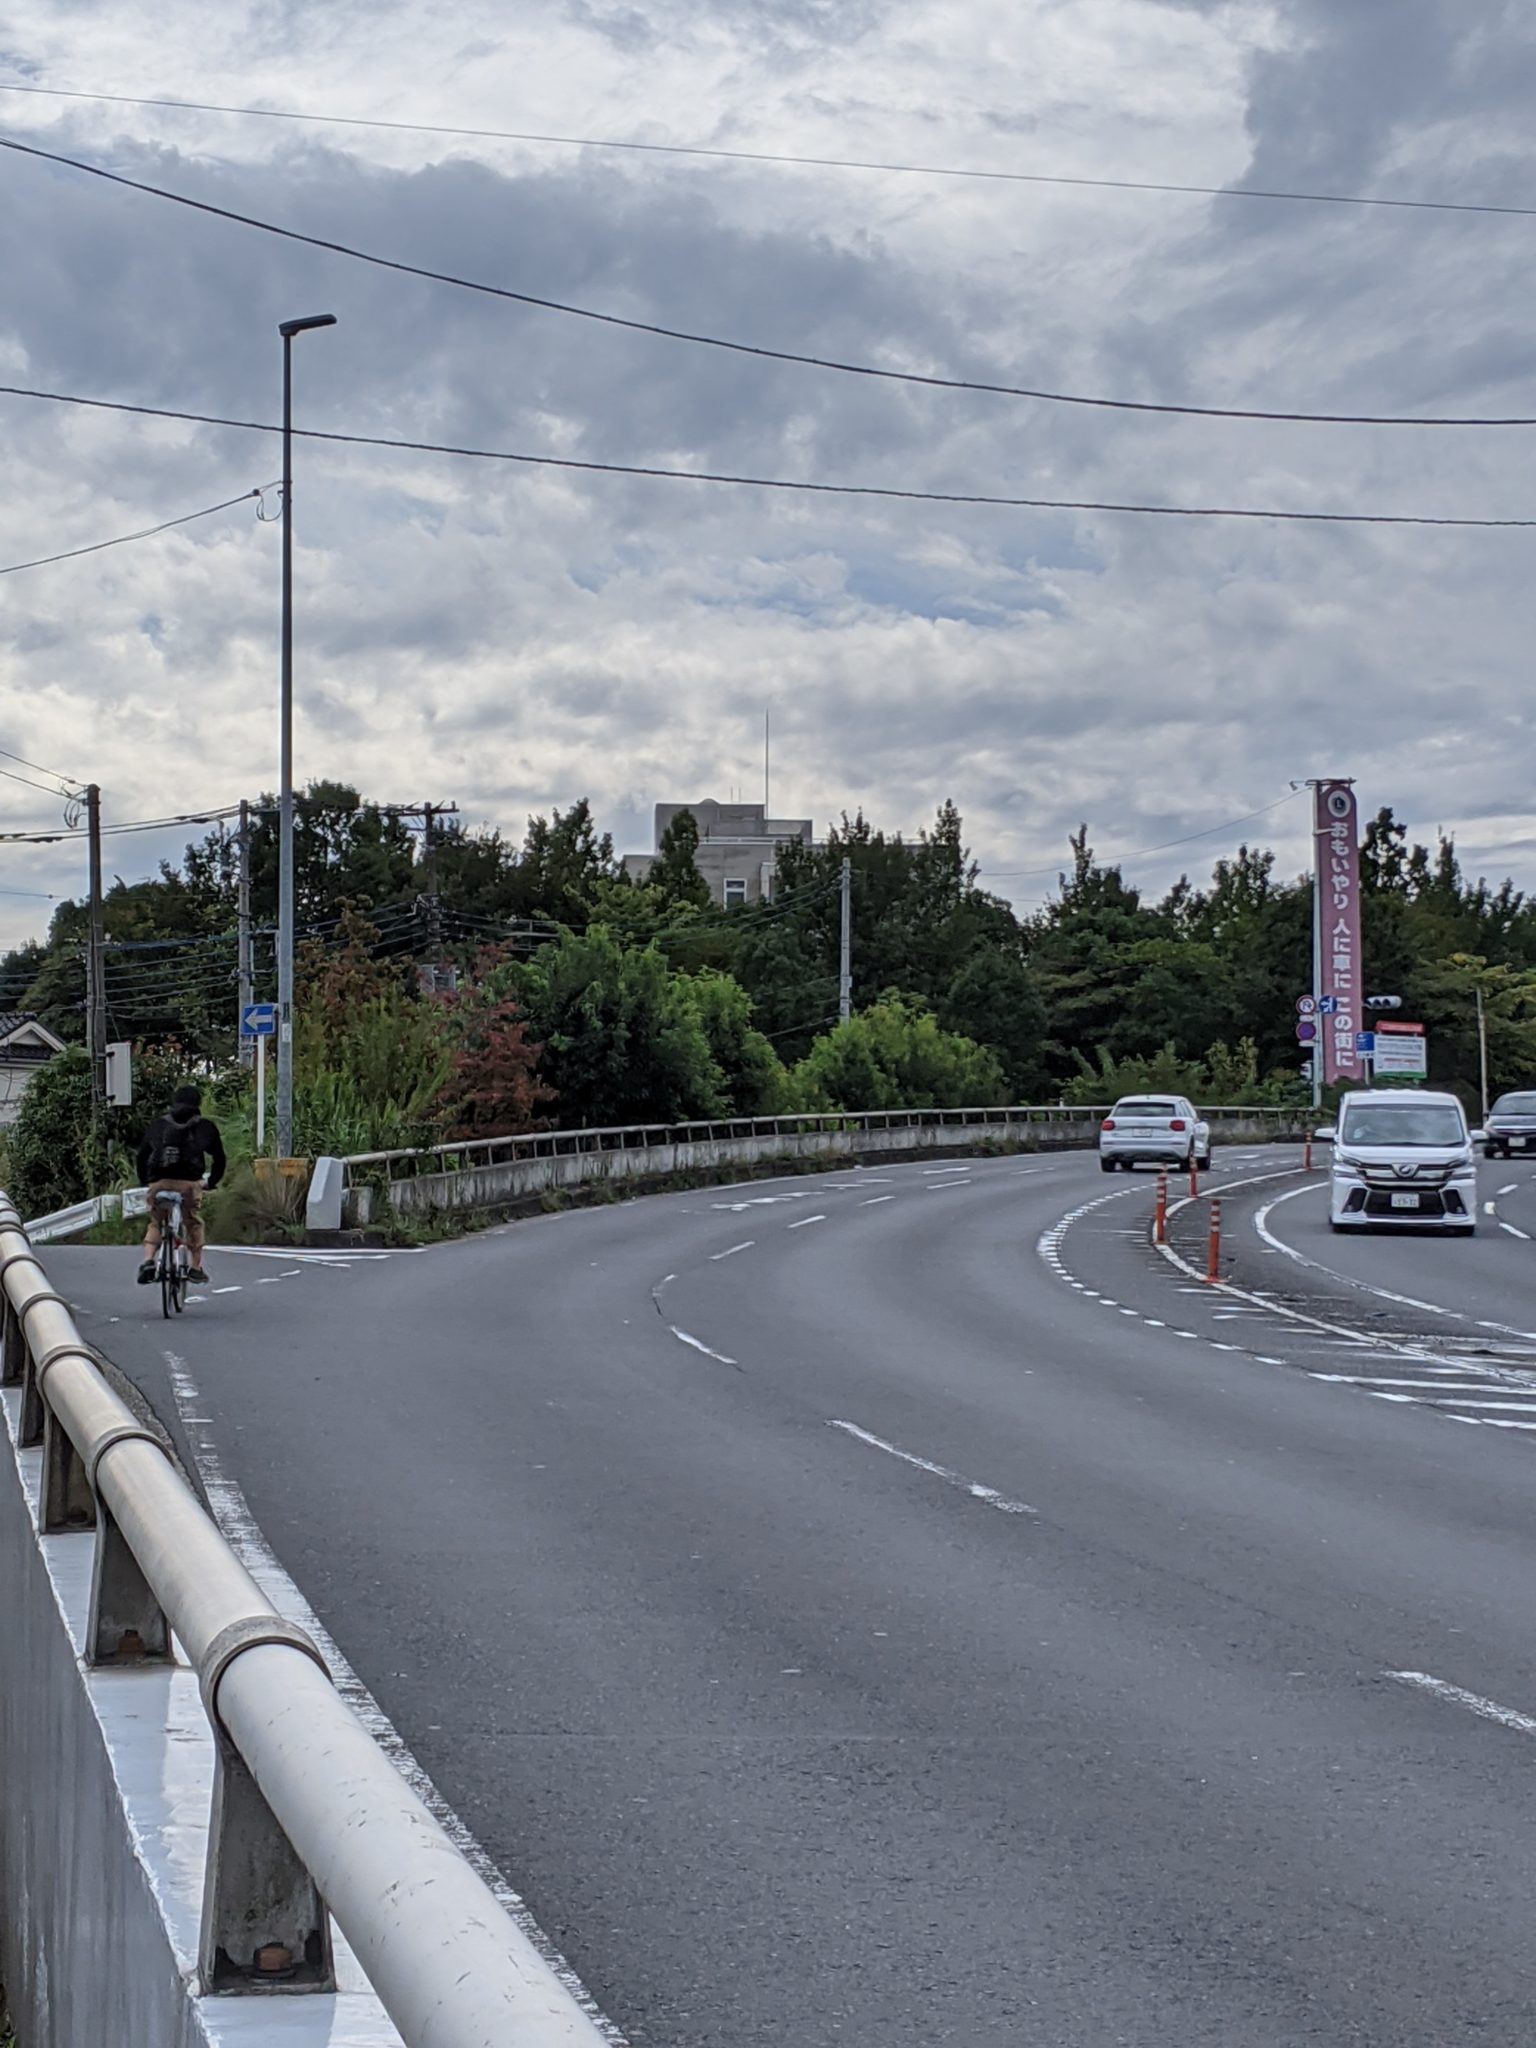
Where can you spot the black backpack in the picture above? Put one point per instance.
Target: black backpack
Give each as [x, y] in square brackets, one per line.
[177, 1155]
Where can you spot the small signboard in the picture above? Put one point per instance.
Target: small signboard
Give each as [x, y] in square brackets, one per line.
[1365, 1041]
[1329, 1005]
[258, 1020]
[1402, 1050]
[1306, 1006]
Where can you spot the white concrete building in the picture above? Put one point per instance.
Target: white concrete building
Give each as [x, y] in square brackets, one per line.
[738, 847]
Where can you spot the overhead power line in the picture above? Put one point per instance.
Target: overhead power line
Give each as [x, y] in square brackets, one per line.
[110, 831]
[122, 539]
[772, 483]
[759, 350]
[775, 156]
[47, 788]
[1115, 859]
[22, 762]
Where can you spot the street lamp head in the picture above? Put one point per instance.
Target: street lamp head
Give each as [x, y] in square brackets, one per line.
[288, 328]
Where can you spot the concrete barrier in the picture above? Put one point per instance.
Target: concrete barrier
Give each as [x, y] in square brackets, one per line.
[467, 1182]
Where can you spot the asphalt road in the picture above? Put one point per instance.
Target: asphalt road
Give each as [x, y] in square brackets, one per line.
[900, 1606]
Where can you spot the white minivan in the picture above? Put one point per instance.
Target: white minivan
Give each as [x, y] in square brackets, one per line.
[1402, 1156]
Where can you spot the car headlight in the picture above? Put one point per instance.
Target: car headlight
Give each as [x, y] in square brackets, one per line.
[1343, 1165]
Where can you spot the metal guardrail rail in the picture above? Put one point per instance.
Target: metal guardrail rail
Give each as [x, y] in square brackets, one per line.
[309, 1818]
[406, 1163]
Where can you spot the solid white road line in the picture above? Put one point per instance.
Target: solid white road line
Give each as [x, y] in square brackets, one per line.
[229, 1509]
[1458, 1696]
[683, 1337]
[801, 1222]
[745, 1246]
[987, 1494]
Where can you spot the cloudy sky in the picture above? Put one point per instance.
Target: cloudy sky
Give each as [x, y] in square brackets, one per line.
[512, 639]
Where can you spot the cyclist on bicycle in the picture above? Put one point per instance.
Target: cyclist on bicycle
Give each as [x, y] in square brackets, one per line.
[171, 1161]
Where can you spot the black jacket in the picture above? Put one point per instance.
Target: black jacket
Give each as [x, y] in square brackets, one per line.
[175, 1147]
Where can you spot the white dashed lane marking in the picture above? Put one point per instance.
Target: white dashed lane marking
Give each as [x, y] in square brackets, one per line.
[987, 1494]
[1472, 1702]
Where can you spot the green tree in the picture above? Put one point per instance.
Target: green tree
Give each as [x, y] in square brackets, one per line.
[622, 1038]
[995, 1000]
[751, 1073]
[896, 1055]
[674, 874]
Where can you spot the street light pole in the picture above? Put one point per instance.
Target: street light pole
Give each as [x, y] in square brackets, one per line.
[285, 889]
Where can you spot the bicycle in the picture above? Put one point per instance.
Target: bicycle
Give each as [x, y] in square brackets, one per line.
[173, 1261]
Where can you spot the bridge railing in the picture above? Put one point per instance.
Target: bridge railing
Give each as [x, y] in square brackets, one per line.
[309, 1818]
[1058, 1122]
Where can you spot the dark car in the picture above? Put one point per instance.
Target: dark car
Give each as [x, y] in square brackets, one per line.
[1511, 1126]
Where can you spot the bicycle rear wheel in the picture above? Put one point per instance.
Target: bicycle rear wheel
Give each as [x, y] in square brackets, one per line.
[171, 1283]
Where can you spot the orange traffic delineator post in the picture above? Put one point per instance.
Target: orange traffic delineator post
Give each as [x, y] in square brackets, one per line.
[1213, 1257]
[1160, 1214]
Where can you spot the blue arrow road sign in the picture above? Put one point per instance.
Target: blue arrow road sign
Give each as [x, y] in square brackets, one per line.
[1328, 1005]
[258, 1020]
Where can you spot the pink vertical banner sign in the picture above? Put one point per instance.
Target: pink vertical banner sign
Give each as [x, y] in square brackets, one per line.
[1336, 825]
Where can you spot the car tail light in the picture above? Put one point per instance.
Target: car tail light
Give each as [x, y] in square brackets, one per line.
[1108, 1124]
[1176, 1124]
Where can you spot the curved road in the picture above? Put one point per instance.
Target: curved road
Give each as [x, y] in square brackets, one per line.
[899, 1606]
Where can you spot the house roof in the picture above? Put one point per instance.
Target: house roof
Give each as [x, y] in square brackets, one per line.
[22, 1025]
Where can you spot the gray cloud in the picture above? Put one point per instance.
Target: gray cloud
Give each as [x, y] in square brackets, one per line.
[524, 639]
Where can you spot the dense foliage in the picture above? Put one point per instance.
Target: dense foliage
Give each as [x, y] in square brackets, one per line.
[561, 992]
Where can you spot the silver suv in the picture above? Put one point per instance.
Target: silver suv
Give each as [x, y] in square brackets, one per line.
[1162, 1129]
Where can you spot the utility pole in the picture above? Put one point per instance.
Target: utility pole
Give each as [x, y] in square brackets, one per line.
[95, 961]
[429, 882]
[1482, 1046]
[845, 948]
[243, 942]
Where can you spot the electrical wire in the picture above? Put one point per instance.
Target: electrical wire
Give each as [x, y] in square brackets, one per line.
[765, 156]
[110, 831]
[769, 483]
[758, 350]
[37, 766]
[122, 540]
[1116, 859]
[27, 782]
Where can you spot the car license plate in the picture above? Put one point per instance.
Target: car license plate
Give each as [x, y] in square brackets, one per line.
[1405, 1201]
[1520, 1142]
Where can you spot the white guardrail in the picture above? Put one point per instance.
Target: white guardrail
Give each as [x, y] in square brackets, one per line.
[309, 1818]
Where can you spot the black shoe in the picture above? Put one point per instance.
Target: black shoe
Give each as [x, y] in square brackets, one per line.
[147, 1273]
[196, 1273]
